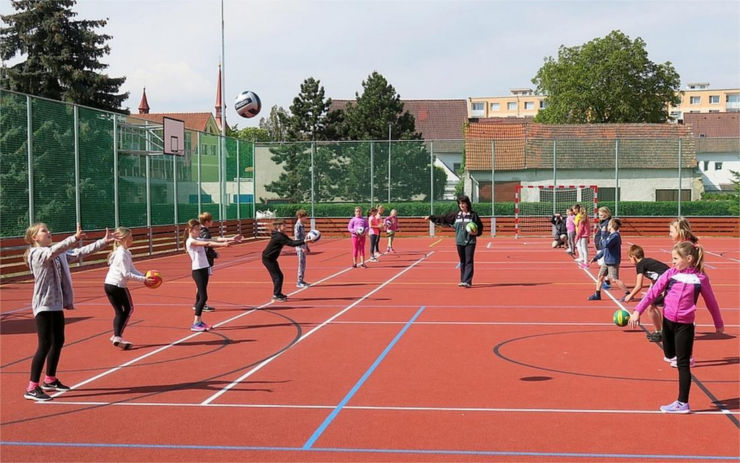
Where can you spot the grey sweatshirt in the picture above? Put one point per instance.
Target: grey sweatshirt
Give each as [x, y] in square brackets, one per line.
[52, 288]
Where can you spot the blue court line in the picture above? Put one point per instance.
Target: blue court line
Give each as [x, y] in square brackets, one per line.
[309, 443]
[242, 448]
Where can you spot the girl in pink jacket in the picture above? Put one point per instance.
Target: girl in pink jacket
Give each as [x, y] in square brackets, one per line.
[682, 285]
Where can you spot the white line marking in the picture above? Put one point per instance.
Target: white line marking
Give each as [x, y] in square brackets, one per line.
[309, 333]
[384, 408]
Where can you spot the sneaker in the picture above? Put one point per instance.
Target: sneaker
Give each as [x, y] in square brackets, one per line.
[583, 265]
[55, 385]
[461, 283]
[594, 297]
[123, 344]
[199, 327]
[676, 407]
[372, 259]
[674, 362]
[37, 394]
[363, 265]
[655, 336]
[208, 308]
[279, 298]
[354, 265]
[116, 340]
[466, 285]
[606, 285]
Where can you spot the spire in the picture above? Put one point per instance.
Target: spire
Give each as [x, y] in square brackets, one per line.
[218, 98]
[144, 105]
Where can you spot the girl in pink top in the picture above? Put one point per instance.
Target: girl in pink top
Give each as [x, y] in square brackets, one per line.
[582, 232]
[375, 221]
[682, 285]
[358, 229]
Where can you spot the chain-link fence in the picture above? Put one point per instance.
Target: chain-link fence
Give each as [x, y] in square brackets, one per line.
[62, 164]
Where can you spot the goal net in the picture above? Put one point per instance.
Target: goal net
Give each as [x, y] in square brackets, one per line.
[534, 205]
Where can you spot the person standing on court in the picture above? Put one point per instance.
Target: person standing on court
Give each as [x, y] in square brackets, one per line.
[270, 255]
[299, 233]
[464, 238]
[206, 220]
[52, 293]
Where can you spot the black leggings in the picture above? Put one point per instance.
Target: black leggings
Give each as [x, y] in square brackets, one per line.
[374, 245]
[276, 274]
[678, 341]
[120, 299]
[466, 255]
[200, 277]
[50, 331]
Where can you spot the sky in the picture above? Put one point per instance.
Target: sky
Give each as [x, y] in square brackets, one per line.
[426, 49]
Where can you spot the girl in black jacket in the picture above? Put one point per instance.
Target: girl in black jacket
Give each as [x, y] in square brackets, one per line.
[465, 238]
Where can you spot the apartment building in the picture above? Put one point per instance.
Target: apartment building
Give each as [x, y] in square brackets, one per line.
[696, 98]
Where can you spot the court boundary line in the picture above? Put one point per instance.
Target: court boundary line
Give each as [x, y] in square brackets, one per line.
[242, 448]
[328, 420]
[385, 408]
[316, 328]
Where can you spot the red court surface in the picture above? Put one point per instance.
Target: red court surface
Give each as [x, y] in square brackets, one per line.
[390, 363]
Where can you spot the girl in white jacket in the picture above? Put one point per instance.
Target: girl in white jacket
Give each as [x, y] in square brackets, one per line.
[122, 269]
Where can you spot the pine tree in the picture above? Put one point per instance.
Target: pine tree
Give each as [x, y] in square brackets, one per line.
[62, 55]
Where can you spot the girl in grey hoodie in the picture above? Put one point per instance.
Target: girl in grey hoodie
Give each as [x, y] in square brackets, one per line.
[52, 292]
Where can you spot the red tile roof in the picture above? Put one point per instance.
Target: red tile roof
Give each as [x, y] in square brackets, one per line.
[715, 132]
[521, 144]
[435, 119]
[193, 121]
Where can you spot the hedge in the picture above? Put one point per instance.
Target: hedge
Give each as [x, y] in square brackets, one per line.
[722, 208]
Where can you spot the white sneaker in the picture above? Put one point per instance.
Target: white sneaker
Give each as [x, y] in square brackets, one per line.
[674, 362]
[116, 340]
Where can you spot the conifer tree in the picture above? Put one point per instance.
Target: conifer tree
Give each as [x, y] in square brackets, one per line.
[61, 55]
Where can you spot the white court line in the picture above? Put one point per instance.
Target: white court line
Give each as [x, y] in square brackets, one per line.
[309, 333]
[386, 408]
[156, 351]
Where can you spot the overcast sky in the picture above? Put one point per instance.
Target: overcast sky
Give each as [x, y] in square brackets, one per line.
[444, 49]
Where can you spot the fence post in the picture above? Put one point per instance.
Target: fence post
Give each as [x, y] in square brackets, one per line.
[372, 174]
[680, 147]
[616, 178]
[147, 164]
[238, 186]
[431, 186]
[197, 154]
[76, 129]
[554, 175]
[313, 217]
[493, 187]
[29, 152]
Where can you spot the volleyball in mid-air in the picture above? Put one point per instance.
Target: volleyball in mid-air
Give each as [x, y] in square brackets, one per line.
[247, 104]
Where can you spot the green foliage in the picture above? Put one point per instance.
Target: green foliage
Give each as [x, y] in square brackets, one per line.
[62, 55]
[253, 134]
[506, 209]
[606, 80]
[274, 124]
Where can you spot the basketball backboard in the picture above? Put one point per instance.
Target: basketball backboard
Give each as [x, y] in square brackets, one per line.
[173, 136]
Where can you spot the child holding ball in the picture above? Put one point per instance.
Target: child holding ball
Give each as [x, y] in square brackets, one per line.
[122, 269]
[683, 283]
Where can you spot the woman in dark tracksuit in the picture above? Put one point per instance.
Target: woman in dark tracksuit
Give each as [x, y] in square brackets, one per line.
[465, 241]
[270, 255]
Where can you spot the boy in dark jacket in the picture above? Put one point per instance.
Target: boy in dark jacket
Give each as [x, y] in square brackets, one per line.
[270, 255]
[611, 251]
[559, 231]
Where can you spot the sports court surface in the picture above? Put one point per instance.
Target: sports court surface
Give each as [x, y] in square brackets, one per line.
[390, 363]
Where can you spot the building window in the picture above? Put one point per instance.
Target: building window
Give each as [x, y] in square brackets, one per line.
[477, 107]
[607, 194]
[713, 99]
[717, 165]
[706, 165]
[511, 106]
[669, 195]
[456, 167]
[543, 105]
[695, 100]
[529, 105]
[495, 106]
